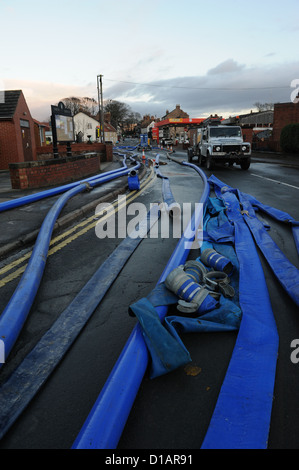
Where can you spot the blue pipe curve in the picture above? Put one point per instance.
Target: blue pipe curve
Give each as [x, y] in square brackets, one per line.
[171, 205]
[17, 310]
[37, 366]
[7, 205]
[105, 423]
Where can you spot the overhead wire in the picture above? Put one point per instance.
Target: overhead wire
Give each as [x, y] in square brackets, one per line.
[200, 88]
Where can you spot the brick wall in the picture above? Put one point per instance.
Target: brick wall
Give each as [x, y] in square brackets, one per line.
[104, 151]
[247, 135]
[52, 172]
[176, 113]
[11, 145]
[37, 130]
[22, 112]
[284, 114]
[8, 144]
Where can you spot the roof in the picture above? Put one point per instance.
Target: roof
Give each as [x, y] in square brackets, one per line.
[94, 118]
[179, 122]
[9, 106]
[175, 113]
[264, 117]
[108, 127]
[42, 124]
[260, 117]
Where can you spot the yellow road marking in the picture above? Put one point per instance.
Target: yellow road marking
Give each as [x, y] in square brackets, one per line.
[66, 234]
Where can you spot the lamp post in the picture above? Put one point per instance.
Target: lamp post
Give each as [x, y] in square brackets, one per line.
[101, 112]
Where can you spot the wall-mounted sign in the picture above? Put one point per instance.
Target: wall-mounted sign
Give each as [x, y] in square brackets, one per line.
[62, 124]
[155, 133]
[62, 127]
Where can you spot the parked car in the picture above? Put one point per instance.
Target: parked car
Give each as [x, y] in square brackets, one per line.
[165, 141]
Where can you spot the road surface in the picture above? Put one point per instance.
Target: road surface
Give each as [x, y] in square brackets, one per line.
[172, 411]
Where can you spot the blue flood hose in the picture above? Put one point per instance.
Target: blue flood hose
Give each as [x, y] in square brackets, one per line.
[17, 310]
[105, 422]
[171, 205]
[241, 418]
[7, 205]
[22, 385]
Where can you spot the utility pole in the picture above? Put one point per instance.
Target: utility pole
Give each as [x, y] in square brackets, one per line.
[101, 111]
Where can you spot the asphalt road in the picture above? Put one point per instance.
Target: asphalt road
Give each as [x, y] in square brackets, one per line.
[172, 411]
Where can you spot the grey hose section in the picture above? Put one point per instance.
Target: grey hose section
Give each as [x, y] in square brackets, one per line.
[21, 201]
[18, 308]
[105, 422]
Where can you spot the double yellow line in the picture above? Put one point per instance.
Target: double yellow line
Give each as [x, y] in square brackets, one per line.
[65, 238]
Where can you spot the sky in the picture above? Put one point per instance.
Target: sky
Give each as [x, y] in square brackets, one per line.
[207, 56]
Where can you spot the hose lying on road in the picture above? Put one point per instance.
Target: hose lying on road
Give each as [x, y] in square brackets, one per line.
[17, 392]
[104, 425]
[242, 415]
[241, 419]
[15, 313]
[21, 201]
[172, 207]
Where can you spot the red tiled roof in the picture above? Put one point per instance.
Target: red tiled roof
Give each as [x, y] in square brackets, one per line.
[42, 124]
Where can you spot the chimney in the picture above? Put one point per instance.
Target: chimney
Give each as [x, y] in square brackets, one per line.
[107, 117]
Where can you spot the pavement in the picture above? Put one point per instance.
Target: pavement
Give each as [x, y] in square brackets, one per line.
[275, 157]
[20, 226]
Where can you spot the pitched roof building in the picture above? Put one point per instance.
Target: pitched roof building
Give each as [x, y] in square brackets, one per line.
[175, 114]
[86, 128]
[17, 139]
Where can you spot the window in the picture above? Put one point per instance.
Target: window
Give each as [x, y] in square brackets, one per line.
[41, 135]
[24, 123]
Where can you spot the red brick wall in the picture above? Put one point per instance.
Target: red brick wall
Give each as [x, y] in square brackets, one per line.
[176, 113]
[8, 144]
[22, 112]
[284, 114]
[11, 146]
[247, 135]
[37, 134]
[52, 172]
[105, 151]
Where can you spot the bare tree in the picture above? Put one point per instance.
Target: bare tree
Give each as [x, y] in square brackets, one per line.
[264, 106]
[86, 105]
[90, 105]
[72, 103]
[118, 112]
[133, 118]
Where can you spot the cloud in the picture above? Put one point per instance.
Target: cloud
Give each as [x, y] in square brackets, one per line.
[41, 95]
[227, 89]
[228, 66]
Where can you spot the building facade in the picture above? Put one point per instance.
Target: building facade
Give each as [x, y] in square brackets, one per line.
[284, 114]
[17, 137]
[86, 129]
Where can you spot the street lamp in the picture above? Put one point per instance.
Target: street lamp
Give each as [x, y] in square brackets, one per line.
[101, 112]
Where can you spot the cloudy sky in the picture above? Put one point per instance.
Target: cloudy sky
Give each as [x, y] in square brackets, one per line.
[208, 56]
